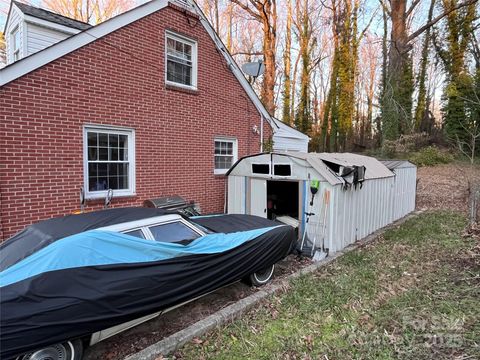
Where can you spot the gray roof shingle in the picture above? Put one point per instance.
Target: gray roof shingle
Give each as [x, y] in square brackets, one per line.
[51, 16]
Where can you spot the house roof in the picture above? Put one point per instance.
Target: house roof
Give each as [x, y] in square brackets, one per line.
[288, 131]
[51, 16]
[91, 34]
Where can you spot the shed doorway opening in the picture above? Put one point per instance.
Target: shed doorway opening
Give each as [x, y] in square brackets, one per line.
[282, 199]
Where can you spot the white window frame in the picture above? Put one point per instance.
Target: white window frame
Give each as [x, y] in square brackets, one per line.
[193, 44]
[131, 161]
[234, 151]
[15, 47]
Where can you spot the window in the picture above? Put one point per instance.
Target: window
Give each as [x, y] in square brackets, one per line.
[181, 60]
[136, 233]
[109, 161]
[16, 44]
[282, 170]
[225, 154]
[261, 169]
[173, 232]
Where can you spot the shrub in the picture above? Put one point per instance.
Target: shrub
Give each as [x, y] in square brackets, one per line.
[405, 144]
[430, 156]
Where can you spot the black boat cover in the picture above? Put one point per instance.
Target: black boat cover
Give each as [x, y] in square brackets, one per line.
[89, 281]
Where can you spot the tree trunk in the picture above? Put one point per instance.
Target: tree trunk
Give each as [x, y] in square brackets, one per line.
[269, 23]
[287, 67]
[422, 111]
[399, 85]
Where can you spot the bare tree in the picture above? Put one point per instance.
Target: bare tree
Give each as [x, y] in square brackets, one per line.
[265, 12]
[89, 11]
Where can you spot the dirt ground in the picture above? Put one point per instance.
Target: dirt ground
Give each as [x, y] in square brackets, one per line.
[439, 187]
[446, 186]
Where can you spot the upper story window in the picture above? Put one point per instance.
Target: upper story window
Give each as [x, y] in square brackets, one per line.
[16, 44]
[109, 161]
[181, 60]
[225, 154]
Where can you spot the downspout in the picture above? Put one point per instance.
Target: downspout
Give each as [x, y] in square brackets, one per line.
[261, 132]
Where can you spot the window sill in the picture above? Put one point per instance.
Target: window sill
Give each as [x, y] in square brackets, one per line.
[179, 88]
[98, 197]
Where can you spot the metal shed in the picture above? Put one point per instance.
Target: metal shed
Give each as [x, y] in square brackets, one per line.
[278, 186]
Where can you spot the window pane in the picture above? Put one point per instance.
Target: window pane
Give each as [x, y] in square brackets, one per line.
[123, 169]
[113, 169]
[113, 182]
[103, 140]
[113, 140]
[170, 45]
[122, 182]
[92, 153]
[113, 154]
[92, 139]
[102, 169]
[92, 170]
[137, 233]
[103, 154]
[173, 232]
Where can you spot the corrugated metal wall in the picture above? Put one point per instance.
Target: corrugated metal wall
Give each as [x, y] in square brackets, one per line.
[354, 214]
[404, 191]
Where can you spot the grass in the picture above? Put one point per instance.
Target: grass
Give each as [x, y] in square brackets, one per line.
[412, 294]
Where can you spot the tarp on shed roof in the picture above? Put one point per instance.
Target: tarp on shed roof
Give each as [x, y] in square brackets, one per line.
[374, 168]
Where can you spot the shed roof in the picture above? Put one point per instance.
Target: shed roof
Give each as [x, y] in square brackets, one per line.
[51, 16]
[374, 168]
[397, 164]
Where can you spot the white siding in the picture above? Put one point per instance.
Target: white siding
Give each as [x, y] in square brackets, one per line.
[40, 37]
[15, 20]
[283, 143]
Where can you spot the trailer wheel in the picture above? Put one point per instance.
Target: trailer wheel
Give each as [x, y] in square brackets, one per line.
[69, 350]
[262, 277]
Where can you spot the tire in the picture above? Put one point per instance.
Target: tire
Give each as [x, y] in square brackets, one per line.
[68, 350]
[261, 277]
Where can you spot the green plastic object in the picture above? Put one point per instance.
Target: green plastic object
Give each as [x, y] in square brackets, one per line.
[314, 186]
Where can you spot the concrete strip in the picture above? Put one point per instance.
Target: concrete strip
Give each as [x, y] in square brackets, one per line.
[176, 341]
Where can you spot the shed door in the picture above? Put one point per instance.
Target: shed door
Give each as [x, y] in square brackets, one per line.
[258, 197]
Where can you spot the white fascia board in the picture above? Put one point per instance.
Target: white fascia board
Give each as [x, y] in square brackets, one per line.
[51, 25]
[47, 55]
[233, 65]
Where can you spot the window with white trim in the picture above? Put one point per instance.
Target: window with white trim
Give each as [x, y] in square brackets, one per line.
[225, 154]
[15, 35]
[181, 61]
[109, 161]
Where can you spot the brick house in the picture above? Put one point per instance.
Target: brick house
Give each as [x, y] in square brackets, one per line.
[100, 109]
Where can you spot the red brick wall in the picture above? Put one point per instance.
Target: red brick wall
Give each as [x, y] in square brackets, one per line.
[119, 80]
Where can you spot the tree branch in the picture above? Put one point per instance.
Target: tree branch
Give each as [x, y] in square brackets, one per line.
[440, 17]
[247, 9]
[412, 7]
